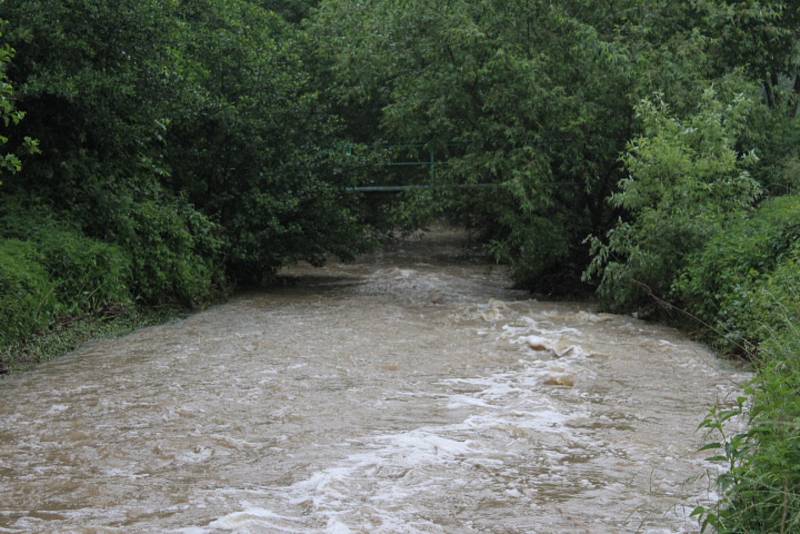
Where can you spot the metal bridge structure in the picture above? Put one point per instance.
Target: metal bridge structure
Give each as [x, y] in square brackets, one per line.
[431, 163]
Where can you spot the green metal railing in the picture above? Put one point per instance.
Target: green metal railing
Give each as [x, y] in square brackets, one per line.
[431, 164]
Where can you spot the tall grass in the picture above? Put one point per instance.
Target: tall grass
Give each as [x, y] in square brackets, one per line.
[760, 492]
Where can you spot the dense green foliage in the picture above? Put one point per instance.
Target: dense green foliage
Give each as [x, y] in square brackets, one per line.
[183, 148]
[760, 490]
[686, 180]
[540, 114]
[740, 281]
[255, 148]
[161, 152]
[10, 162]
[762, 486]
[28, 295]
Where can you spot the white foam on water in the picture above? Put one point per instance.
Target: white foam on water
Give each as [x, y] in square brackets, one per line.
[377, 487]
[401, 452]
[251, 517]
[458, 401]
[422, 286]
[337, 527]
[374, 489]
[57, 409]
[532, 326]
[505, 420]
[199, 455]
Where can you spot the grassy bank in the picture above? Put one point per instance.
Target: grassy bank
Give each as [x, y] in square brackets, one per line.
[70, 333]
[60, 287]
[745, 284]
[760, 490]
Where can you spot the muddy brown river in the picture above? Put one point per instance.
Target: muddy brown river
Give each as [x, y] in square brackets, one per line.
[411, 391]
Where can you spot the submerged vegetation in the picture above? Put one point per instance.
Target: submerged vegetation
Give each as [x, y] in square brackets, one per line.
[159, 153]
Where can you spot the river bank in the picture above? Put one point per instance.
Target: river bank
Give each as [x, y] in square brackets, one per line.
[71, 334]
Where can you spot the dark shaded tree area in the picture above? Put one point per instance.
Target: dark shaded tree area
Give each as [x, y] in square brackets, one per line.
[238, 119]
[188, 133]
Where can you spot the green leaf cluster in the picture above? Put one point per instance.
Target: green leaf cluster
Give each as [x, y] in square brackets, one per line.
[686, 179]
[741, 281]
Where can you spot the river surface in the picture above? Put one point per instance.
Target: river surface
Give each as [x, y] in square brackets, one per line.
[411, 391]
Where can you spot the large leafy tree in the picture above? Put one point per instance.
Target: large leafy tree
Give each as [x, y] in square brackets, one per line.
[182, 130]
[686, 180]
[254, 147]
[292, 10]
[98, 80]
[762, 38]
[94, 78]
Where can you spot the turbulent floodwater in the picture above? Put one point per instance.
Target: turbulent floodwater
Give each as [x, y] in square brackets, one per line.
[409, 392]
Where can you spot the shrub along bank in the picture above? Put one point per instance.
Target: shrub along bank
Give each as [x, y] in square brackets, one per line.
[746, 285]
[155, 154]
[693, 249]
[58, 287]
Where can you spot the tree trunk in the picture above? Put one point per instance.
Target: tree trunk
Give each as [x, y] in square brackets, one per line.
[769, 94]
[793, 109]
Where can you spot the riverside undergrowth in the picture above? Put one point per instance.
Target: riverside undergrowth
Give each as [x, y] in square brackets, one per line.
[696, 240]
[70, 333]
[759, 490]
